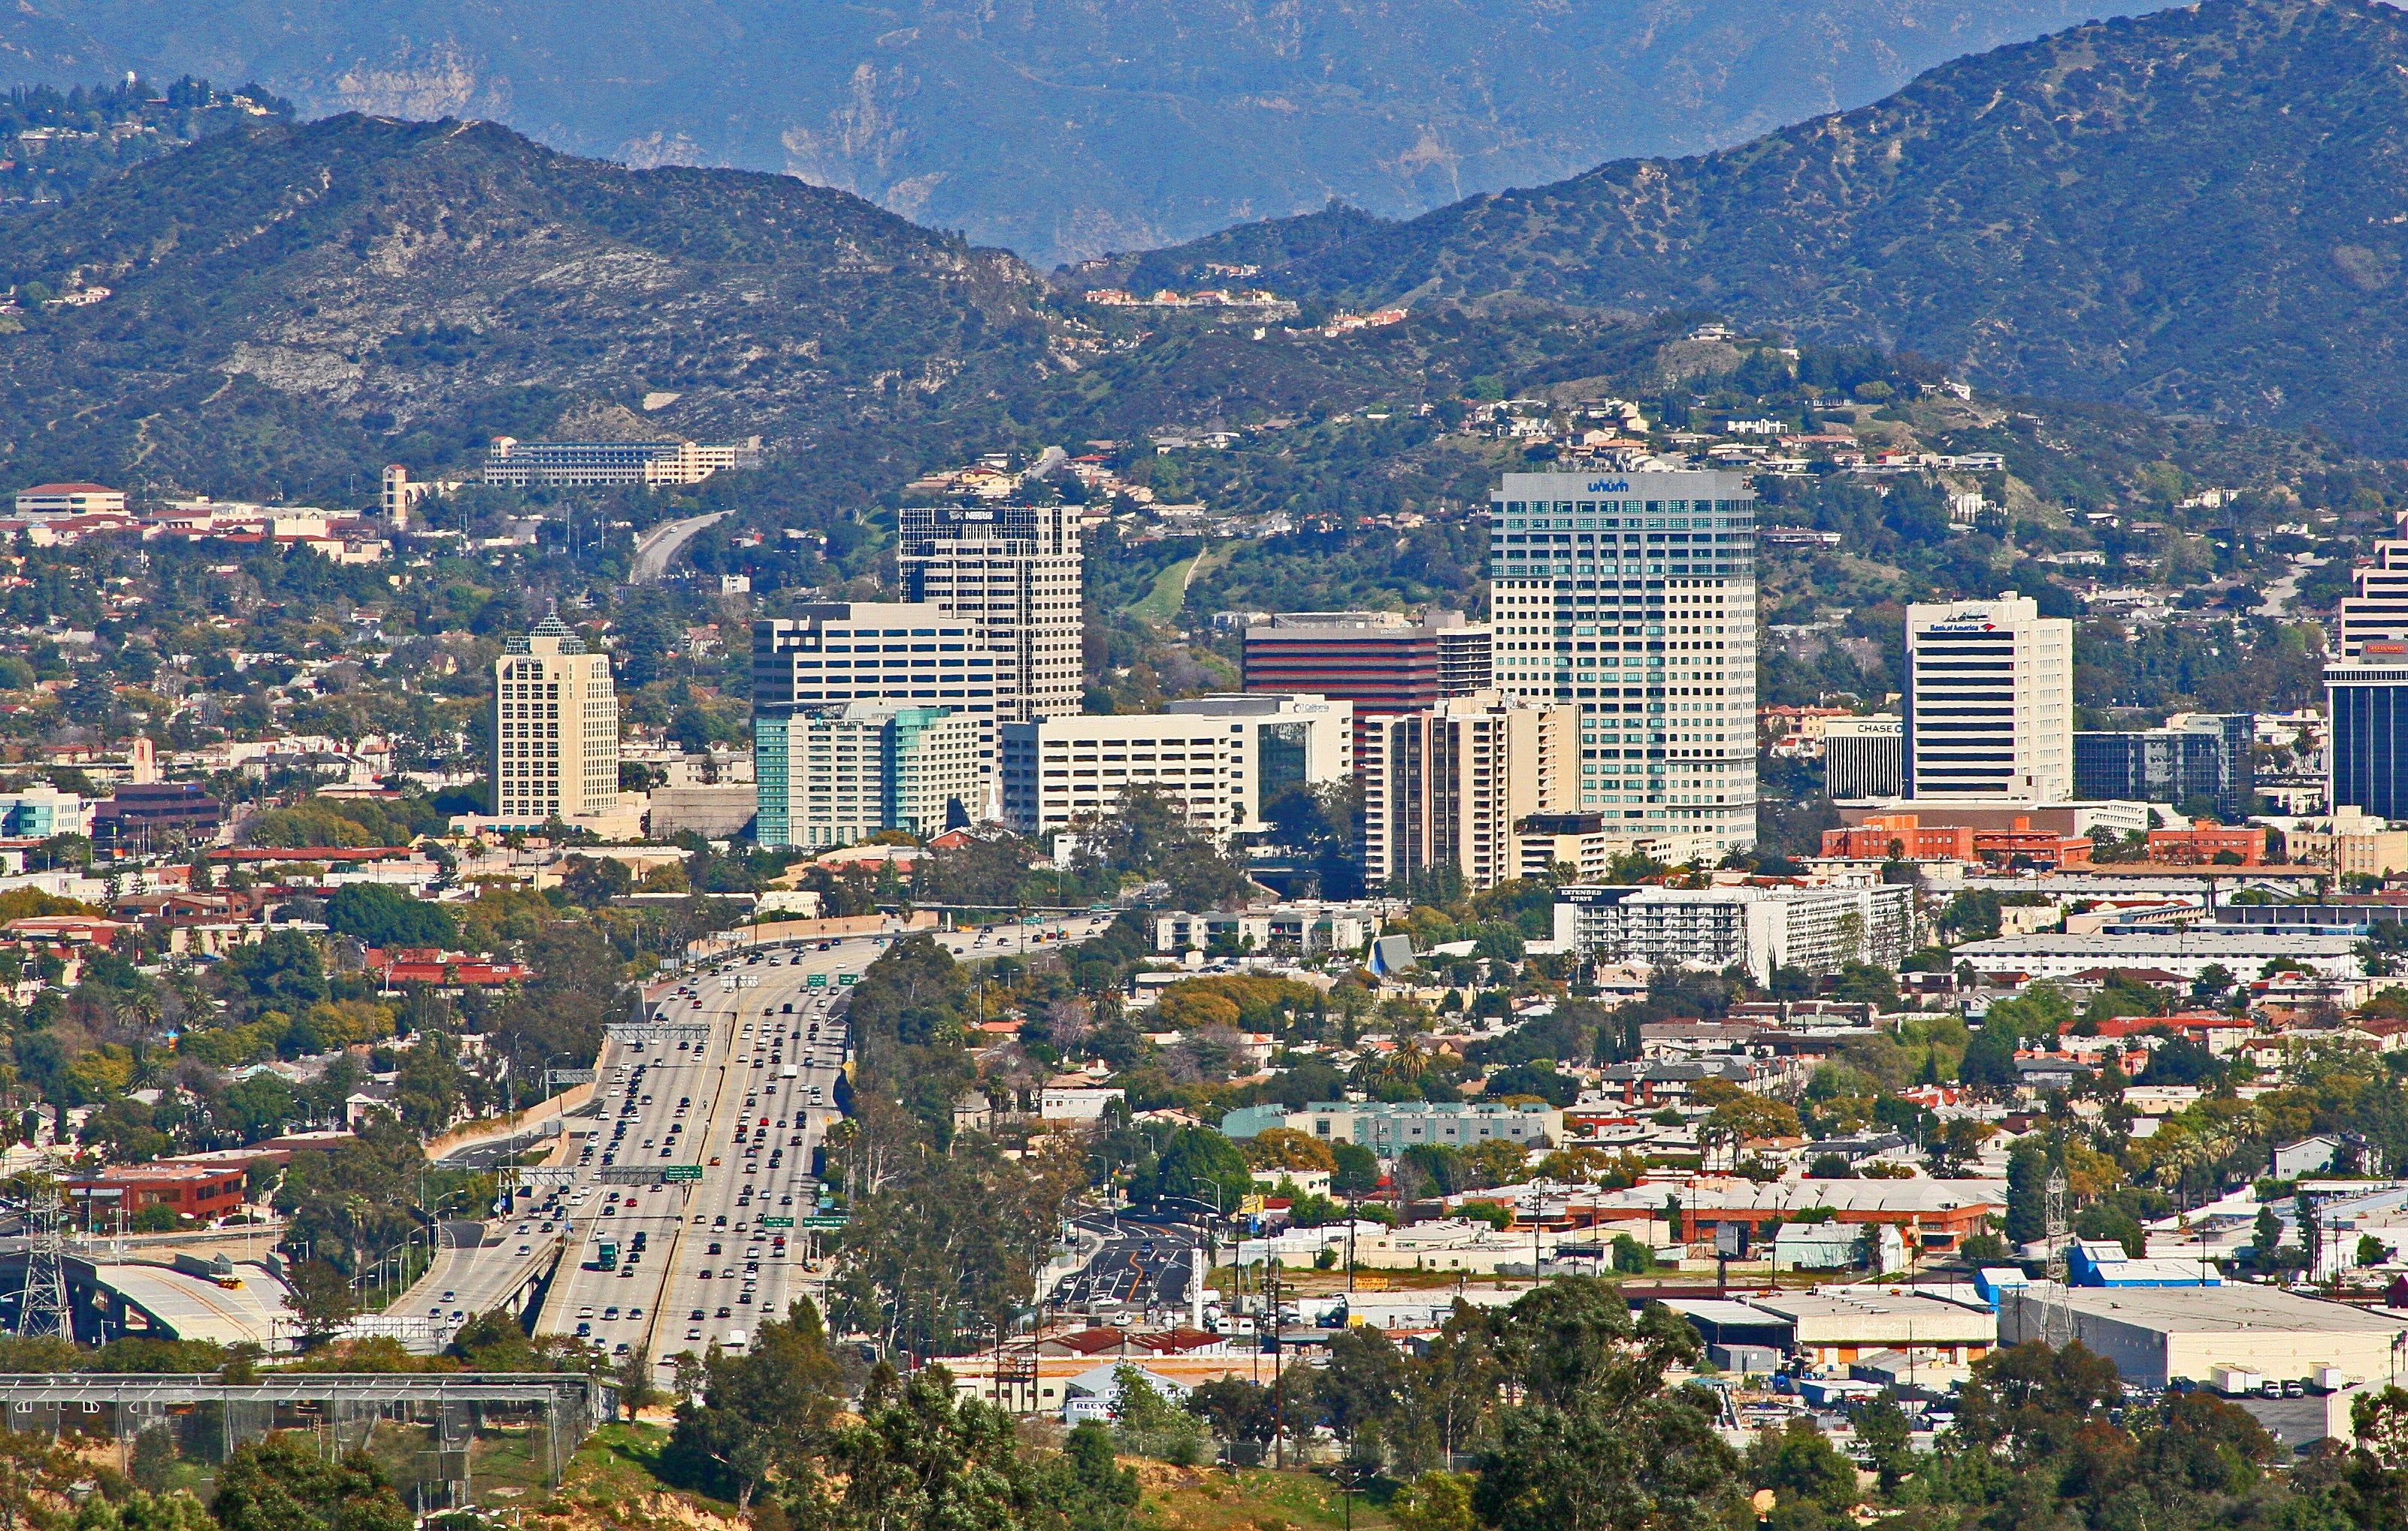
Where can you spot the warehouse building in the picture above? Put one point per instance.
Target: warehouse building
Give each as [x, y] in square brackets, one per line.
[2156, 1334]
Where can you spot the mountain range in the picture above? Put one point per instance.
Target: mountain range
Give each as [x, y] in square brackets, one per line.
[2202, 211]
[284, 304]
[1062, 128]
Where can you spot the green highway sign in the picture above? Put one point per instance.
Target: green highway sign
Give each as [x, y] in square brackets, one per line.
[834, 1220]
[777, 1223]
[680, 1172]
[816, 981]
[846, 980]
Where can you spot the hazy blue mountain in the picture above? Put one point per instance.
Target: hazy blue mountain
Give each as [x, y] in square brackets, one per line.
[1065, 127]
[2200, 211]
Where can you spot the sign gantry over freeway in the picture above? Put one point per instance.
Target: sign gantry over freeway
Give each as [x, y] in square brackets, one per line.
[659, 1031]
[653, 1175]
[538, 1175]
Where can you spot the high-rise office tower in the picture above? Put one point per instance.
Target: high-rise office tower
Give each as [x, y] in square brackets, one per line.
[1989, 701]
[1451, 786]
[2197, 755]
[1016, 569]
[2376, 610]
[2367, 700]
[1380, 661]
[1631, 596]
[555, 728]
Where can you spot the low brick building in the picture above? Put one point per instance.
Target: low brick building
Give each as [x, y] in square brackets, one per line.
[200, 1191]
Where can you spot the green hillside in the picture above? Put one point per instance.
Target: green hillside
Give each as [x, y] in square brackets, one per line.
[2202, 210]
[290, 303]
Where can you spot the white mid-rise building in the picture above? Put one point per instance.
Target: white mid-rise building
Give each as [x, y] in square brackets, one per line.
[1017, 571]
[556, 729]
[1989, 701]
[1226, 758]
[1631, 596]
[1761, 929]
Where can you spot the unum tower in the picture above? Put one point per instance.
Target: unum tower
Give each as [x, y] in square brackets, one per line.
[1631, 596]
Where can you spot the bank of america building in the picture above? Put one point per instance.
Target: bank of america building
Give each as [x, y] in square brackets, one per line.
[1633, 598]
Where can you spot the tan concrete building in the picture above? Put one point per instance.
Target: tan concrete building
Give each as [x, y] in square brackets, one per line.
[1453, 785]
[556, 729]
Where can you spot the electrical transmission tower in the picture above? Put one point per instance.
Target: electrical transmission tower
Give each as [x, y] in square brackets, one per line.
[42, 1306]
[2057, 1319]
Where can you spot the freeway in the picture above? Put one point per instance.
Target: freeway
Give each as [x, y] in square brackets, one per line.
[657, 548]
[746, 1106]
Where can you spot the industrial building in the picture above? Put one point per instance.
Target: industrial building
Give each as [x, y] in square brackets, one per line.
[2155, 1335]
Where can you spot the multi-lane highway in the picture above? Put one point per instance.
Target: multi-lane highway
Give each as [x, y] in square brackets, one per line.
[674, 1265]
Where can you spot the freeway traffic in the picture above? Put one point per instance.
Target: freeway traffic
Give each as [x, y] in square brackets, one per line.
[732, 1082]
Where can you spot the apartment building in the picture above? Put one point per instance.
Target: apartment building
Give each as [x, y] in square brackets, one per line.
[1017, 573]
[1380, 661]
[1224, 758]
[513, 463]
[1989, 701]
[1631, 597]
[835, 775]
[1453, 785]
[1761, 929]
[555, 730]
